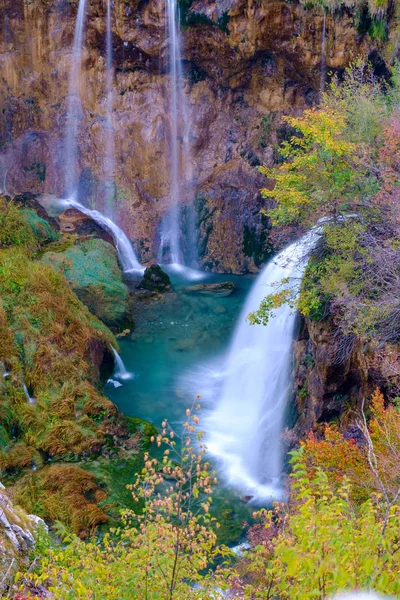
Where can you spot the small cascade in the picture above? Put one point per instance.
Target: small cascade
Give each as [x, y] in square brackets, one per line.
[109, 158]
[126, 253]
[3, 178]
[120, 371]
[5, 372]
[323, 54]
[28, 397]
[74, 105]
[179, 134]
[252, 389]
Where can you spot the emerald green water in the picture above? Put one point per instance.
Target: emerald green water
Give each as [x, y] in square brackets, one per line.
[173, 338]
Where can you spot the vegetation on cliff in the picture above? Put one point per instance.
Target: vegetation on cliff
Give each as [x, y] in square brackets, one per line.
[52, 410]
[327, 538]
[340, 174]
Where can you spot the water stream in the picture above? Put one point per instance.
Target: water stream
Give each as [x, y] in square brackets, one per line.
[171, 336]
[126, 253]
[180, 149]
[248, 392]
[120, 370]
[109, 158]
[74, 105]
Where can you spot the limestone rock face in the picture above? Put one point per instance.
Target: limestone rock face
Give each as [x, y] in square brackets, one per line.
[17, 535]
[336, 372]
[245, 62]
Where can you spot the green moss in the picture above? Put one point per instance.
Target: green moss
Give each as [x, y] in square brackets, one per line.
[42, 230]
[115, 475]
[378, 30]
[144, 427]
[92, 268]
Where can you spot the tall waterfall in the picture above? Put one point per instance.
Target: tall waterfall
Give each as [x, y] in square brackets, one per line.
[244, 427]
[126, 254]
[74, 105]
[176, 72]
[109, 158]
[181, 172]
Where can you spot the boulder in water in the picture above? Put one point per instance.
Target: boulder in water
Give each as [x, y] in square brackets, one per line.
[155, 279]
[224, 288]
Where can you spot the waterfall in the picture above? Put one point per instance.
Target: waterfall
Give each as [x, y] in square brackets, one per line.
[245, 425]
[180, 159]
[74, 105]
[120, 371]
[109, 159]
[126, 253]
[28, 397]
[175, 67]
[323, 54]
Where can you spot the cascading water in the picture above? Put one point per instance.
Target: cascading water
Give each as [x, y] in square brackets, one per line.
[120, 371]
[175, 68]
[109, 159]
[126, 253]
[180, 158]
[28, 397]
[244, 427]
[74, 105]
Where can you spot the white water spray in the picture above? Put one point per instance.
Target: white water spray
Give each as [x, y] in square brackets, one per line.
[109, 159]
[28, 397]
[74, 104]
[244, 427]
[126, 253]
[180, 159]
[120, 371]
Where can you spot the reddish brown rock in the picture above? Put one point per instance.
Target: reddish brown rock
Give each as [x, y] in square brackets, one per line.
[251, 59]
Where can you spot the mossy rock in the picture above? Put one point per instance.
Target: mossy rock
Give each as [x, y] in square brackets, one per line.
[147, 429]
[155, 279]
[23, 227]
[42, 230]
[93, 271]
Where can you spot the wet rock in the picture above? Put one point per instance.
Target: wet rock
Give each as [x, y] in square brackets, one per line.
[222, 289]
[155, 279]
[17, 533]
[243, 61]
[74, 221]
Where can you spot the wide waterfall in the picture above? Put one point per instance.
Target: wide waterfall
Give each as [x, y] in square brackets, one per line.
[74, 105]
[109, 158]
[245, 426]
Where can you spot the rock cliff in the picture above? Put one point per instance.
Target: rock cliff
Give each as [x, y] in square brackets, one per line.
[245, 62]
